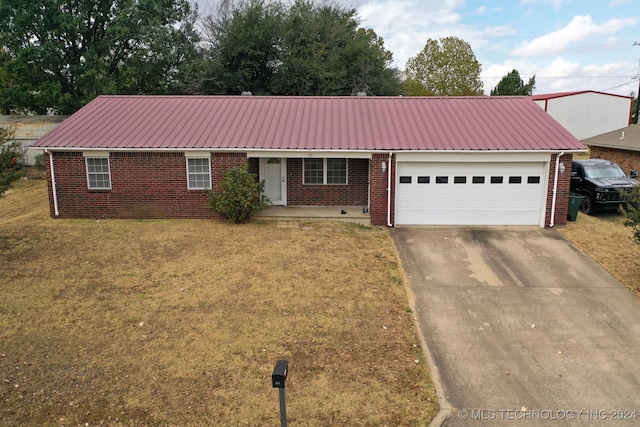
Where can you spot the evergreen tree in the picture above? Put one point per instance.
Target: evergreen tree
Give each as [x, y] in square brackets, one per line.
[513, 85]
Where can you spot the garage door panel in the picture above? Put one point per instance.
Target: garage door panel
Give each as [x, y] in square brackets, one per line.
[469, 203]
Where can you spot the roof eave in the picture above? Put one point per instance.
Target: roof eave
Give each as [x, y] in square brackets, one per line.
[302, 150]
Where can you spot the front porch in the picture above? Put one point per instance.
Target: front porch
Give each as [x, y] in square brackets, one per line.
[352, 214]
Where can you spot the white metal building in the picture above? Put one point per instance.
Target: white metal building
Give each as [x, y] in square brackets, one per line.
[587, 113]
[27, 130]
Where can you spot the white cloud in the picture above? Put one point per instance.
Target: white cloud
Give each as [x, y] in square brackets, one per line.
[562, 75]
[556, 3]
[580, 29]
[614, 3]
[561, 68]
[406, 25]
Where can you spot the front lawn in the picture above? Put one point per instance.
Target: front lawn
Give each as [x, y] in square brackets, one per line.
[608, 242]
[169, 322]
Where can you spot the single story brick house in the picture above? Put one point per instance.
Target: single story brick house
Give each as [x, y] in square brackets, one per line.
[621, 146]
[404, 160]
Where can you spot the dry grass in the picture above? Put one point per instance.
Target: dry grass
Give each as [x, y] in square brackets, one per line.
[608, 242]
[181, 322]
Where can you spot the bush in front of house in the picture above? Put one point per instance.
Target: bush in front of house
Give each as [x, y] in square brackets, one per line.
[239, 196]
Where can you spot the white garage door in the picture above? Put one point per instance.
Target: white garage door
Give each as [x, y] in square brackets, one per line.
[470, 193]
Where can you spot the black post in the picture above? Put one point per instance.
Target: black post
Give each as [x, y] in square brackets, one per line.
[278, 378]
[635, 120]
[283, 409]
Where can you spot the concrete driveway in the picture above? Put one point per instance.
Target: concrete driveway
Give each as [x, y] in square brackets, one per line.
[521, 328]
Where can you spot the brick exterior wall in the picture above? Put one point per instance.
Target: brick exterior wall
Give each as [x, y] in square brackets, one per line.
[626, 159]
[379, 184]
[254, 166]
[562, 195]
[154, 185]
[143, 185]
[353, 194]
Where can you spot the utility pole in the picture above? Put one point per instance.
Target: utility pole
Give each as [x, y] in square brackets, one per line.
[637, 94]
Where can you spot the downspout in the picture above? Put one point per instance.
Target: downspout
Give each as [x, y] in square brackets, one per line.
[555, 190]
[389, 190]
[369, 189]
[53, 184]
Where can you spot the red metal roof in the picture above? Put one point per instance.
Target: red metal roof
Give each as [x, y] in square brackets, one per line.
[309, 123]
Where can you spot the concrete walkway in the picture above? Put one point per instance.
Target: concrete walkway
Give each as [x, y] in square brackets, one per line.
[522, 329]
[353, 214]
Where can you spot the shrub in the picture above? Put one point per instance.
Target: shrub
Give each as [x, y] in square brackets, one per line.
[239, 196]
[632, 211]
[11, 152]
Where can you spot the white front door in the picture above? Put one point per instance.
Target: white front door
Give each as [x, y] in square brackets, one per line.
[273, 172]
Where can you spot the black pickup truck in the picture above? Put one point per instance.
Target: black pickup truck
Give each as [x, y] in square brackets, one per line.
[601, 183]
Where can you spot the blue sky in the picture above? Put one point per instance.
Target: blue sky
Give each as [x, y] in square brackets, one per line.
[568, 44]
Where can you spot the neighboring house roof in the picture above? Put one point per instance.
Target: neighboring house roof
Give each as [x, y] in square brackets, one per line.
[310, 123]
[29, 128]
[624, 139]
[580, 92]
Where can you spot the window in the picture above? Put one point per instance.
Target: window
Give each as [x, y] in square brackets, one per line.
[533, 180]
[313, 171]
[325, 171]
[336, 171]
[515, 180]
[459, 179]
[496, 180]
[478, 180]
[423, 180]
[199, 173]
[442, 179]
[98, 174]
[405, 180]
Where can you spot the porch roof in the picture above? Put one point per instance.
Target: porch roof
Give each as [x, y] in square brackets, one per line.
[310, 123]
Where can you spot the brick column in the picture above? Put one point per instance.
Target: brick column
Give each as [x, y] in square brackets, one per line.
[379, 196]
[562, 191]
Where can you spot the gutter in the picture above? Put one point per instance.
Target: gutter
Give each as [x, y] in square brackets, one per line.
[389, 224]
[53, 184]
[298, 152]
[555, 191]
[369, 187]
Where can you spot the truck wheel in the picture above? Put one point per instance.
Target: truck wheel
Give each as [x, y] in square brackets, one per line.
[587, 205]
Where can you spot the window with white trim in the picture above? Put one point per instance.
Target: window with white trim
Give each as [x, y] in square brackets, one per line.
[199, 173]
[98, 173]
[325, 171]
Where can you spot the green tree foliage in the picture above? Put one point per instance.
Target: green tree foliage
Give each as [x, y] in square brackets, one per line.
[632, 211]
[239, 195]
[10, 154]
[445, 67]
[302, 48]
[243, 47]
[513, 85]
[60, 54]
